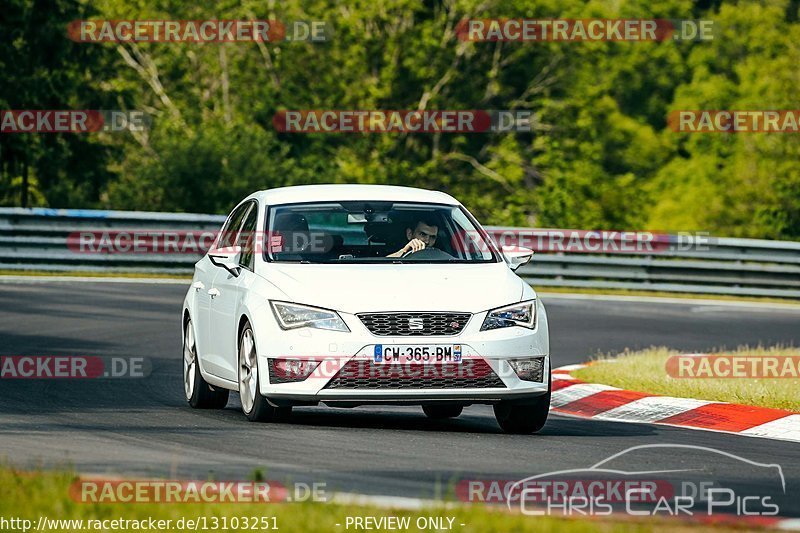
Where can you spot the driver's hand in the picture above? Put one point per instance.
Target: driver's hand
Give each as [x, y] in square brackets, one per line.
[414, 245]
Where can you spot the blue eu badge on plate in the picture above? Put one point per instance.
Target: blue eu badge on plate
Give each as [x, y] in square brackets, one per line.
[378, 355]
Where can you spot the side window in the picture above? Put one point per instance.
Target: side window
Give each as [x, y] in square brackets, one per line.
[230, 230]
[247, 238]
[469, 243]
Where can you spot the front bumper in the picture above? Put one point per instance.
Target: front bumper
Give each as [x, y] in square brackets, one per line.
[486, 352]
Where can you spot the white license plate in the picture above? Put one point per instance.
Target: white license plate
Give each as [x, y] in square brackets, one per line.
[417, 353]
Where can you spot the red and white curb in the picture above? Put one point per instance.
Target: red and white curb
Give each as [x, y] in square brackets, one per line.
[573, 397]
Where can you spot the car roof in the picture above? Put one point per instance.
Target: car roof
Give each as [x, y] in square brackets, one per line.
[352, 192]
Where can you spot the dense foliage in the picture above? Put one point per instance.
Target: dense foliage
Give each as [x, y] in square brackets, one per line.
[600, 156]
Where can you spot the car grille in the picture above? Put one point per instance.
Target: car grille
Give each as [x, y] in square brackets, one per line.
[364, 374]
[414, 324]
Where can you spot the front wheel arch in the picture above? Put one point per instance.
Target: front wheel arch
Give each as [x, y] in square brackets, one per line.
[243, 321]
[198, 393]
[262, 410]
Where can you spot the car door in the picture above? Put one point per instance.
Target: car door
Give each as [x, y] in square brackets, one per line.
[227, 292]
[207, 331]
[203, 278]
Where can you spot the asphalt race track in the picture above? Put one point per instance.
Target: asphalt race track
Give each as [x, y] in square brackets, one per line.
[145, 427]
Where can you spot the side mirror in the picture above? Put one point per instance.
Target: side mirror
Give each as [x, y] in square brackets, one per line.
[227, 258]
[516, 256]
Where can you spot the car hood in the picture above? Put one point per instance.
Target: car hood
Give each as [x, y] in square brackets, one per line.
[393, 287]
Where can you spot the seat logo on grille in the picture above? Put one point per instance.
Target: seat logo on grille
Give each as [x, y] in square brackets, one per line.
[415, 324]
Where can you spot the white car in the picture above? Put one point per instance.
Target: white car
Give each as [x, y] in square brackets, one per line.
[351, 295]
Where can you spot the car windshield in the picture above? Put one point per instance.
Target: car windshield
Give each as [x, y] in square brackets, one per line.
[375, 232]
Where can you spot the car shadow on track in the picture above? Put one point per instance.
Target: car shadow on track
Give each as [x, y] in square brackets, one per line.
[477, 419]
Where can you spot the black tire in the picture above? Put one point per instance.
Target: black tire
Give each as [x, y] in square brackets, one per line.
[197, 391]
[260, 410]
[524, 418]
[438, 412]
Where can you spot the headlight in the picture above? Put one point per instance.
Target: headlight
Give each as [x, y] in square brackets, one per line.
[521, 314]
[292, 316]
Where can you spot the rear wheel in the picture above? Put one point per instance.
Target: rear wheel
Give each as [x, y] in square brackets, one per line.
[199, 393]
[254, 405]
[524, 418]
[439, 412]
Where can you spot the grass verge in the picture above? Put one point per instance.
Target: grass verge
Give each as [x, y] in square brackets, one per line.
[645, 371]
[46, 494]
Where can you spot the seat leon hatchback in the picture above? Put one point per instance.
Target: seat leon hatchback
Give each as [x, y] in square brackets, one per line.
[351, 295]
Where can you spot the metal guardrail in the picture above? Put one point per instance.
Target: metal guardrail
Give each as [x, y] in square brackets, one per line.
[37, 239]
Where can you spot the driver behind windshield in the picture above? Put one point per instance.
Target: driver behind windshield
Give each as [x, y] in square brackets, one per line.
[423, 235]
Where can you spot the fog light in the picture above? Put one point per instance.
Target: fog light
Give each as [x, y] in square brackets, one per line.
[290, 370]
[529, 369]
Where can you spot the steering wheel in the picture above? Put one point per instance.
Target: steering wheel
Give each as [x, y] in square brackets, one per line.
[430, 254]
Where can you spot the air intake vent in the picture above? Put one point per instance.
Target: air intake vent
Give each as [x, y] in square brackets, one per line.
[364, 374]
